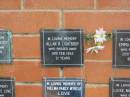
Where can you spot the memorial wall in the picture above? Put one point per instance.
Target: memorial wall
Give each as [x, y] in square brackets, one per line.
[64, 48]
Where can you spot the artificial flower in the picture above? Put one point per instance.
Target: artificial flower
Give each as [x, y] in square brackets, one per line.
[94, 49]
[100, 36]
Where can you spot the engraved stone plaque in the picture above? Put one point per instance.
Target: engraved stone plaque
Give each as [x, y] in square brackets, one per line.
[121, 48]
[62, 47]
[7, 87]
[5, 47]
[64, 87]
[120, 87]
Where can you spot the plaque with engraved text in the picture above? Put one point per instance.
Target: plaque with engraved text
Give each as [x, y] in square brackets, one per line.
[5, 47]
[62, 47]
[7, 87]
[64, 87]
[120, 87]
[121, 48]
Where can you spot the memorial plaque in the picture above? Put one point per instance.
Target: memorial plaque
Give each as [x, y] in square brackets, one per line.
[7, 87]
[121, 48]
[62, 47]
[120, 87]
[5, 47]
[64, 87]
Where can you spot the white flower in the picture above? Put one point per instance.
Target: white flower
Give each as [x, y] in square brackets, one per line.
[100, 35]
[94, 49]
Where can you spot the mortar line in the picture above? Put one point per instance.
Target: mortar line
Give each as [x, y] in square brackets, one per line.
[38, 59]
[40, 84]
[38, 34]
[95, 4]
[22, 5]
[96, 85]
[25, 35]
[61, 72]
[97, 10]
[92, 60]
[61, 19]
[68, 10]
[32, 10]
[27, 84]
[27, 60]
[61, 69]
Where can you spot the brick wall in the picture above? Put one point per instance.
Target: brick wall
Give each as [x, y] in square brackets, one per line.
[26, 17]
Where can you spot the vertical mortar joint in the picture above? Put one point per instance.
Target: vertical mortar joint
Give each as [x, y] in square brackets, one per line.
[22, 4]
[61, 70]
[95, 4]
[61, 19]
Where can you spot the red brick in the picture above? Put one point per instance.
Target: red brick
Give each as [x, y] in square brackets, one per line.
[26, 47]
[9, 4]
[74, 72]
[97, 92]
[121, 72]
[98, 72]
[54, 4]
[28, 71]
[29, 91]
[50, 72]
[90, 21]
[20, 22]
[101, 72]
[113, 4]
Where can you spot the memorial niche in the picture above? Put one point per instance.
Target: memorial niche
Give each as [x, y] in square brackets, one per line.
[121, 48]
[64, 87]
[7, 87]
[5, 47]
[62, 47]
[120, 87]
